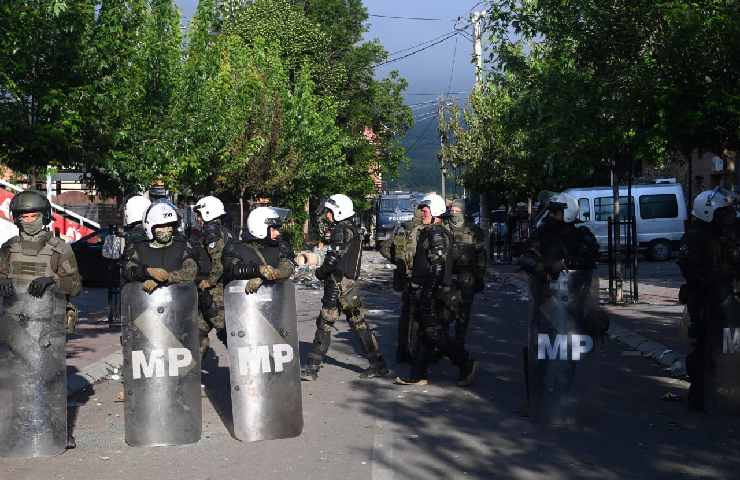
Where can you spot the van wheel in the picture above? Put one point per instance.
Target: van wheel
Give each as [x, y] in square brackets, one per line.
[661, 251]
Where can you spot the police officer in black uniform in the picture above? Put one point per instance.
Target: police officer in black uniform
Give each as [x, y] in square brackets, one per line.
[265, 256]
[430, 283]
[710, 263]
[166, 258]
[339, 271]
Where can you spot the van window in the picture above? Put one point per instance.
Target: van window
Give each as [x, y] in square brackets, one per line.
[603, 207]
[658, 206]
[584, 210]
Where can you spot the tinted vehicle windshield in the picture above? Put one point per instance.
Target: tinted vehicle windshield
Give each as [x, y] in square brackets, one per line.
[391, 204]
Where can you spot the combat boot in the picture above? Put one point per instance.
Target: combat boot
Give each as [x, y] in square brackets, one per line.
[71, 442]
[310, 373]
[468, 372]
[376, 369]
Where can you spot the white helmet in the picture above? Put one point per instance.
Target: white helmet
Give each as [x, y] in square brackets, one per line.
[341, 206]
[567, 203]
[135, 209]
[263, 217]
[210, 208]
[709, 201]
[161, 213]
[436, 204]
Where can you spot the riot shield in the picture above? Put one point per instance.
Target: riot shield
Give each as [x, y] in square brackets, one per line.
[33, 377]
[564, 333]
[161, 365]
[722, 380]
[264, 360]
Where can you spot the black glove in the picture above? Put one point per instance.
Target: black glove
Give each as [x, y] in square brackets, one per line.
[321, 273]
[6, 287]
[39, 286]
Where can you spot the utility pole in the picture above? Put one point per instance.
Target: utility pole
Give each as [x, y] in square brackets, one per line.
[476, 17]
[441, 156]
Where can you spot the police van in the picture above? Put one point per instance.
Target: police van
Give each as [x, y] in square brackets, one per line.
[659, 208]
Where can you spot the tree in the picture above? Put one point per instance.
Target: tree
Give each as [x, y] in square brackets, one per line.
[41, 71]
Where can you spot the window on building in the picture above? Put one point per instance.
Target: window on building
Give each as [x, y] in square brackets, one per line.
[658, 206]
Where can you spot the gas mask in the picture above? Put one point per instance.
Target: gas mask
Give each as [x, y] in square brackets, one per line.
[163, 235]
[457, 219]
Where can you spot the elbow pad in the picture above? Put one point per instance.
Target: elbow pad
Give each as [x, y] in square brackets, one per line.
[245, 271]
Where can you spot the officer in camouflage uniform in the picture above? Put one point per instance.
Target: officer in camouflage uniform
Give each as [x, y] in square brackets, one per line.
[468, 257]
[265, 256]
[166, 258]
[404, 240]
[37, 256]
[710, 263]
[209, 211]
[339, 271]
[429, 285]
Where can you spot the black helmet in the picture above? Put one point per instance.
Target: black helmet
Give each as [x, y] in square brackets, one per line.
[30, 201]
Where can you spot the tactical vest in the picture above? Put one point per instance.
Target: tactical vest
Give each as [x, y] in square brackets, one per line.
[169, 258]
[350, 250]
[30, 260]
[431, 237]
[464, 248]
[245, 252]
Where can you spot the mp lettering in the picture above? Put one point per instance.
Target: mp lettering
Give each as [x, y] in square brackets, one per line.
[256, 358]
[557, 349]
[154, 366]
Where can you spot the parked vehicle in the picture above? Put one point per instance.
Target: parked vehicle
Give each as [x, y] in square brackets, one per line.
[392, 209]
[659, 208]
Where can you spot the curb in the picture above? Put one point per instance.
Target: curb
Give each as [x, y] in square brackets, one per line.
[662, 354]
[94, 373]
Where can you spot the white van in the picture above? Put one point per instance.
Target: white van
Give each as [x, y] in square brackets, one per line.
[660, 213]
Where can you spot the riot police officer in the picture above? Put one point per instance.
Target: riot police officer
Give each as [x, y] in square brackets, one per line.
[263, 257]
[468, 270]
[561, 260]
[209, 212]
[339, 271]
[403, 242]
[115, 247]
[429, 282]
[558, 243]
[37, 257]
[133, 218]
[165, 258]
[710, 263]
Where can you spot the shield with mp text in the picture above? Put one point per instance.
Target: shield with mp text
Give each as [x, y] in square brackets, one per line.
[33, 377]
[722, 370]
[161, 365]
[565, 330]
[264, 361]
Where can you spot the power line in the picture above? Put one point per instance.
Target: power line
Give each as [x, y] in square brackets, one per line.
[432, 94]
[416, 51]
[420, 43]
[424, 19]
[416, 141]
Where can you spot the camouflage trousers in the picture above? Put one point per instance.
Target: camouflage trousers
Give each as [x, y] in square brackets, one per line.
[342, 297]
[211, 315]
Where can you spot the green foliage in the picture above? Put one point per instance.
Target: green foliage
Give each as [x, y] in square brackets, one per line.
[267, 97]
[579, 86]
[41, 69]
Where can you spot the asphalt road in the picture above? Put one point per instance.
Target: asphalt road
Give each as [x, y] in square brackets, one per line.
[360, 429]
